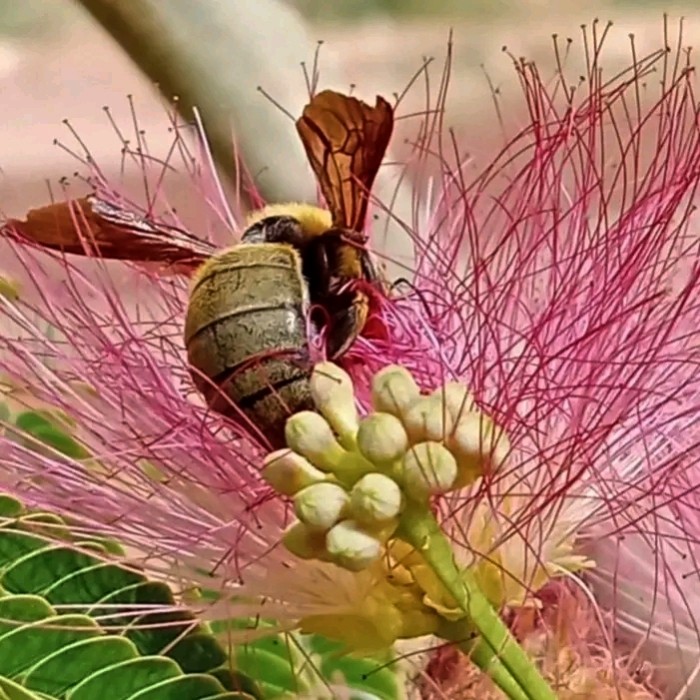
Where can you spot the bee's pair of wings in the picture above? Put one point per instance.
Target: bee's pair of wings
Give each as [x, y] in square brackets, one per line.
[345, 141]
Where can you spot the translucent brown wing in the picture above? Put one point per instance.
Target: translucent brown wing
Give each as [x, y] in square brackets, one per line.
[345, 141]
[90, 226]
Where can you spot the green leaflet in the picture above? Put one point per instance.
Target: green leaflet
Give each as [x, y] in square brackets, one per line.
[275, 661]
[65, 632]
[378, 678]
[5, 412]
[287, 665]
[48, 429]
[43, 427]
[13, 691]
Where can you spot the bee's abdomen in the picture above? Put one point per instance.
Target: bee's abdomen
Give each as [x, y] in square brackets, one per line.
[246, 331]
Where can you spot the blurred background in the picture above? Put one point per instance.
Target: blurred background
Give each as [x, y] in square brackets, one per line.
[57, 62]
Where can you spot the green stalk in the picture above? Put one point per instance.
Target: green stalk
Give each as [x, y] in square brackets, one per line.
[461, 634]
[497, 653]
[481, 654]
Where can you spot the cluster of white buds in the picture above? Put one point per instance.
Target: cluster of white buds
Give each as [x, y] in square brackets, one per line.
[350, 478]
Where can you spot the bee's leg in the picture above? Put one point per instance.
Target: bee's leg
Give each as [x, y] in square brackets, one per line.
[275, 229]
[348, 318]
[319, 263]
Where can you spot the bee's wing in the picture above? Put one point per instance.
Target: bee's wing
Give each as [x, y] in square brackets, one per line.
[345, 141]
[90, 226]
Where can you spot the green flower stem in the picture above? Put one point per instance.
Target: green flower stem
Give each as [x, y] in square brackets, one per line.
[482, 655]
[461, 634]
[498, 653]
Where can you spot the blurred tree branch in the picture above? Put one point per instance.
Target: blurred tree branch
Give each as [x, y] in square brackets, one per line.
[213, 54]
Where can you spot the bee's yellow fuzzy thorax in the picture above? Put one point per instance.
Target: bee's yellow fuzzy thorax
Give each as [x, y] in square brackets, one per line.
[314, 220]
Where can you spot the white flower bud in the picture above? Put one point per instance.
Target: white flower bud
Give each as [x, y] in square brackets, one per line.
[309, 434]
[321, 506]
[428, 419]
[394, 390]
[334, 395]
[479, 446]
[304, 542]
[456, 398]
[428, 469]
[351, 547]
[287, 472]
[374, 499]
[382, 438]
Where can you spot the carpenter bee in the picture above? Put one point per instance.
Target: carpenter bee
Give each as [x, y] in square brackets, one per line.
[247, 320]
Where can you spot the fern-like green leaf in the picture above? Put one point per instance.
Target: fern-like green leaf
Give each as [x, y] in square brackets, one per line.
[75, 625]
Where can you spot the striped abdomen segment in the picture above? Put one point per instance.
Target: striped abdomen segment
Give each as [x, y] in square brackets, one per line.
[246, 331]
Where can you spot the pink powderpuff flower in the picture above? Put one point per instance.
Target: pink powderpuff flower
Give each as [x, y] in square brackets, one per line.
[559, 282]
[648, 572]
